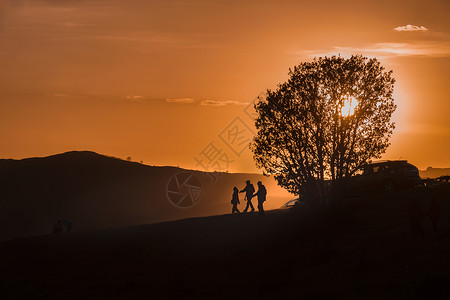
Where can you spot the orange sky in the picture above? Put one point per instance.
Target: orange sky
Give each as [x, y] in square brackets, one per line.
[160, 80]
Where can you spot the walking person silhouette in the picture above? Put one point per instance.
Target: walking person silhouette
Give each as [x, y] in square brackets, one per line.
[235, 200]
[249, 190]
[261, 193]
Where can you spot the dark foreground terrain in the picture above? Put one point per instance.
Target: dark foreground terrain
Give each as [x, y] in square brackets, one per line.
[364, 251]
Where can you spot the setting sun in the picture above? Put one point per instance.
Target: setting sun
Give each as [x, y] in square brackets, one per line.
[349, 106]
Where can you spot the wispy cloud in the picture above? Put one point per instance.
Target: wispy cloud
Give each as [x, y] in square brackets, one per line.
[205, 102]
[387, 50]
[64, 24]
[146, 38]
[410, 27]
[181, 100]
[136, 98]
[221, 103]
[433, 44]
[428, 48]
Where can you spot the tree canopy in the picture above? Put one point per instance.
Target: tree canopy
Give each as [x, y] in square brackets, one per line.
[330, 117]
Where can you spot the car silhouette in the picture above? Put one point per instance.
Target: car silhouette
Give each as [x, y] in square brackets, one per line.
[380, 176]
[430, 182]
[295, 203]
[443, 179]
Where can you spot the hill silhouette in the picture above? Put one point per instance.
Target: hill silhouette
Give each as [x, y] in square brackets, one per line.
[365, 251]
[431, 172]
[96, 191]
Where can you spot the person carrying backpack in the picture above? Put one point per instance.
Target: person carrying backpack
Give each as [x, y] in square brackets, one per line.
[249, 190]
[261, 193]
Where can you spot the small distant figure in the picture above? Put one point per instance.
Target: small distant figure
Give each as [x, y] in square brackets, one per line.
[415, 217]
[58, 227]
[249, 190]
[68, 224]
[261, 193]
[435, 212]
[235, 200]
[62, 224]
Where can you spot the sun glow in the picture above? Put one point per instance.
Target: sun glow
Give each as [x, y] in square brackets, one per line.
[349, 106]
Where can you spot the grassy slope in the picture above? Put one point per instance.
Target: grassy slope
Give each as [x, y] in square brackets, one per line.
[364, 252]
[95, 191]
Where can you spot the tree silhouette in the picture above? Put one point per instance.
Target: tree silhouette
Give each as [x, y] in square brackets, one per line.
[328, 119]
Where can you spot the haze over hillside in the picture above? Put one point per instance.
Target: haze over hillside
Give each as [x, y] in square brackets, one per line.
[95, 191]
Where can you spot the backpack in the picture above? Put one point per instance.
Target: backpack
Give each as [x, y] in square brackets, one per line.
[251, 189]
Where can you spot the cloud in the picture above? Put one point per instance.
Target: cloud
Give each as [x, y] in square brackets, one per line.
[387, 50]
[135, 98]
[411, 28]
[181, 100]
[206, 102]
[146, 38]
[221, 103]
[63, 24]
[430, 48]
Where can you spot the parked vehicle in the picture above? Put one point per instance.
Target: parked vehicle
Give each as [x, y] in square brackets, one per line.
[443, 179]
[381, 176]
[430, 182]
[297, 202]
